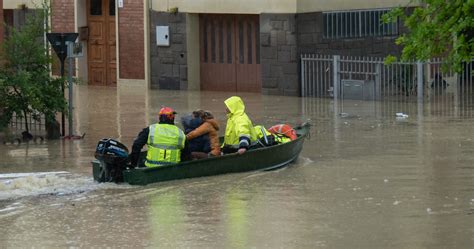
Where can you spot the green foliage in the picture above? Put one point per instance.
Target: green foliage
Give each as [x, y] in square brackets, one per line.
[438, 28]
[390, 59]
[26, 86]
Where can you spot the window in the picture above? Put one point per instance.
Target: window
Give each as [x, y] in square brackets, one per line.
[111, 7]
[355, 24]
[96, 8]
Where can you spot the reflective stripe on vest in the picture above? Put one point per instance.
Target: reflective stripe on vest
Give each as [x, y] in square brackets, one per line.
[281, 138]
[165, 143]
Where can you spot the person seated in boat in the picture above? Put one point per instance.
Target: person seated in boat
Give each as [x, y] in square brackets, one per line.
[208, 131]
[239, 133]
[199, 144]
[166, 142]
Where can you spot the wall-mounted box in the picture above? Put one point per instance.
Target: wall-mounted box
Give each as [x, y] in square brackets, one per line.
[162, 35]
[84, 33]
[75, 49]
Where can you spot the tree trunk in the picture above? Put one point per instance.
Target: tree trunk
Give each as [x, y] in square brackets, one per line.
[26, 121]
[26, 135]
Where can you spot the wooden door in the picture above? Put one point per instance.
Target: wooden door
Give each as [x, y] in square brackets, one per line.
[230, 53]
[101, 50]
[248, 70]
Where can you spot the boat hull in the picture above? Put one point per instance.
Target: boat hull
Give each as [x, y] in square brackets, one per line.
[259, 159]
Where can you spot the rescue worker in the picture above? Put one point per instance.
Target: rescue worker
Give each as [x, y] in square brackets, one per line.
[208, 127]
[239, 133]
[166, 142]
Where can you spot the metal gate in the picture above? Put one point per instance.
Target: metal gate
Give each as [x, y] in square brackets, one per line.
[343, 76]
[368, 78]
[333, 76]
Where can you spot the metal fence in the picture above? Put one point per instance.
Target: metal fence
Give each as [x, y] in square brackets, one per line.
[466, 87]
[36, 125]
[368, 78]
[325, 75]
[347, 76]
[317, 74]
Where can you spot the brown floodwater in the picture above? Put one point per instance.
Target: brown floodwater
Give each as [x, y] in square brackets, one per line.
[365, 179]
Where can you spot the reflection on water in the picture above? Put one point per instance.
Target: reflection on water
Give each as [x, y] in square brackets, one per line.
[365, 179]
[167, 219]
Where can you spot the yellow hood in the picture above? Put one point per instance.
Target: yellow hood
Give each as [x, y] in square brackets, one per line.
[235, 105]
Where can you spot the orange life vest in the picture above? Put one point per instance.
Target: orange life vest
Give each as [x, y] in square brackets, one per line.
[285, 130]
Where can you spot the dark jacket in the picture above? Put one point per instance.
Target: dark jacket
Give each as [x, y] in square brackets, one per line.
[210, 128]
[142, 139]
[199, 143]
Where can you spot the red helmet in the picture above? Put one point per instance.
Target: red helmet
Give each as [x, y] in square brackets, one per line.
[168, 112]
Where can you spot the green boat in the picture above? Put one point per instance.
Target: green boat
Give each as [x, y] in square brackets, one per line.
[265, 158]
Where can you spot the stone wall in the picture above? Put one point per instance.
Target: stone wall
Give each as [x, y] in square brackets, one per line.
[168, 64]
[278, 54]
[131, 40]
[310, 40]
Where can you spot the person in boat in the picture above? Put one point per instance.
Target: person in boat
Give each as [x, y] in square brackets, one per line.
[199, 145]
[239, 133]
[165, 141]
[207, 130]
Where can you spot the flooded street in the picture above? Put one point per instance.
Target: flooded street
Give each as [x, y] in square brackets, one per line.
[365, 179]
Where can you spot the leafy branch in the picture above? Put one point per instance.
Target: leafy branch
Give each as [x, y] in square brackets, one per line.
[26, 86]
[436, 28]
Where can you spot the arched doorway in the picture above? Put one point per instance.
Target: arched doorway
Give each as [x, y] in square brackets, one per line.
[101, 46]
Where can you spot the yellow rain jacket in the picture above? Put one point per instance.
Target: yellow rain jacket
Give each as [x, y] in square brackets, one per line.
[165, 143]
[239, 125]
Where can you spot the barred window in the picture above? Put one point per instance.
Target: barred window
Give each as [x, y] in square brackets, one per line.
[360, 23]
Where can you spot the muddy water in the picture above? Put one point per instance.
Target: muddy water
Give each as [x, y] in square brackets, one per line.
[365, 179]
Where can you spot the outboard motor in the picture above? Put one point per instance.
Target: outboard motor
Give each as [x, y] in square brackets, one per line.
[113, 158]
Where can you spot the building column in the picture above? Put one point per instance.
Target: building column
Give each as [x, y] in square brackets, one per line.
[278, 53]
[131, 49]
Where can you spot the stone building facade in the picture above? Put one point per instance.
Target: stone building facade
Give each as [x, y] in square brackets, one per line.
[279, 54]
[311, 40]
[267, 50]
[287, 29]
[169, 63]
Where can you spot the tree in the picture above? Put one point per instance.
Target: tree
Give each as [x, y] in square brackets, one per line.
[437, 28]
[26, 86]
